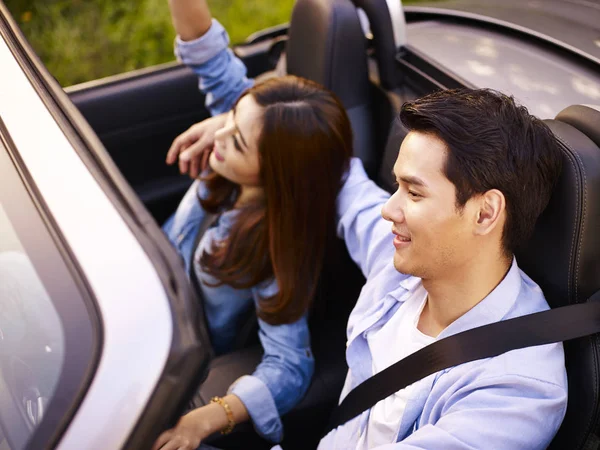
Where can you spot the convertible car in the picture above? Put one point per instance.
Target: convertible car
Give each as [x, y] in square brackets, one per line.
[102, 339]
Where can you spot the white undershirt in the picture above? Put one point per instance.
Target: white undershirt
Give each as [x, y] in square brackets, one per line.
[397, 339]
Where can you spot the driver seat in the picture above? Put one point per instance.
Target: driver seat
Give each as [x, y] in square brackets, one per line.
[563, 257]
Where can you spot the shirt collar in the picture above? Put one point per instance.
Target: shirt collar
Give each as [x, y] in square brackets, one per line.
[410, 283]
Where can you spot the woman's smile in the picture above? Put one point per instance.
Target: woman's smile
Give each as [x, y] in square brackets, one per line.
[218, 155]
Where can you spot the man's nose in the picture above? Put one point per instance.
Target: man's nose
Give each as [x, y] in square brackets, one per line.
[393, 211]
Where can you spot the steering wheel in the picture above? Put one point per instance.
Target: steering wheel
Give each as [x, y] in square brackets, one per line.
[28, 398]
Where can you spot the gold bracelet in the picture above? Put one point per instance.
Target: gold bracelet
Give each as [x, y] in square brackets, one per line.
[231, 423]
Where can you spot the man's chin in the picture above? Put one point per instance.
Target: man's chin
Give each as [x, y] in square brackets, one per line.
[401, 265]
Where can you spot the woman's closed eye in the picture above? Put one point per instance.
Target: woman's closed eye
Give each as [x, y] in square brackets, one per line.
[236, 144]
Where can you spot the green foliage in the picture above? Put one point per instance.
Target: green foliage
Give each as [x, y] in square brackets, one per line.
[81, 40]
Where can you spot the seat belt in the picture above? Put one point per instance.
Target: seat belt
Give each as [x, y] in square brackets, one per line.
[207, 222]
[546, 327]
[209, 219]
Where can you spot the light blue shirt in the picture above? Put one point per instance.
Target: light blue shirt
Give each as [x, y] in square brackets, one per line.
[513, 401]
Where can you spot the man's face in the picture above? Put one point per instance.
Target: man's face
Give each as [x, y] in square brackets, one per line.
[433, 238]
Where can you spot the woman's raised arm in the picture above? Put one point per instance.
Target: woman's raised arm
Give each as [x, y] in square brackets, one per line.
[191, 18]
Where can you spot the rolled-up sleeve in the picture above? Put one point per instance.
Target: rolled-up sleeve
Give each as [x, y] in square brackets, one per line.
[221, 74]
[280, 380]
[282, 377]
[367, 235]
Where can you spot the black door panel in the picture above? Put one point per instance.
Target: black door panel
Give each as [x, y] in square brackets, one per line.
[137, 118]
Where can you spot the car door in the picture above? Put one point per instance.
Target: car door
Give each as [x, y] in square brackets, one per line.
[137, 116]
[101, 337]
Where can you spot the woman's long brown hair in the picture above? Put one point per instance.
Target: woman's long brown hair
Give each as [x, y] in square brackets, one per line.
[304, 149]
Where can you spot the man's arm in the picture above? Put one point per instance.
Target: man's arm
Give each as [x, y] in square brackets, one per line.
[367, 235]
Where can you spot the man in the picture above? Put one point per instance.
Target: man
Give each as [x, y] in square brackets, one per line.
[473, 173]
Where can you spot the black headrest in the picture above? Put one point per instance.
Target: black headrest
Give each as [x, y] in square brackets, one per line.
[385, 177]
[327, 44]
[563, 256]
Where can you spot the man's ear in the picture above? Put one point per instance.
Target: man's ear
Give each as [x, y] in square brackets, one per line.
[491, 207]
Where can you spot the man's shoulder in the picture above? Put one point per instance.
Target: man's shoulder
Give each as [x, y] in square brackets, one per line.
[543, 364]
[530, 298]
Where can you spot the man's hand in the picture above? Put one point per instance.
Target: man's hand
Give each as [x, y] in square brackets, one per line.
[187, 434]
[192, 147]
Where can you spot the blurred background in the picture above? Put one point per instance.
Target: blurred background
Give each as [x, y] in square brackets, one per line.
[81, 40]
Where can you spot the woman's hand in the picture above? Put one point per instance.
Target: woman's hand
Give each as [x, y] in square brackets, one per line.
[197, 425]
[187, 434]
[192, 147]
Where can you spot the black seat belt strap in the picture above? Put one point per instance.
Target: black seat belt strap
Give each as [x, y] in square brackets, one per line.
[555, 325]
[206, 223]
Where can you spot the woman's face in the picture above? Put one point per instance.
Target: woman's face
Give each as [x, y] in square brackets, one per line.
[235, 154]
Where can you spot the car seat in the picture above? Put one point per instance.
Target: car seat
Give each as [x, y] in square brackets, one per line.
[563, 257]
[327, 44]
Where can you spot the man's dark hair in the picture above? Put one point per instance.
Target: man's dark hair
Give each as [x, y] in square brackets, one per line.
[493, 143]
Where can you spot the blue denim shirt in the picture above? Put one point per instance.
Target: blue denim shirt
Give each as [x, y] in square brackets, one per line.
[221, 75]
[513, 401]
[285, 371]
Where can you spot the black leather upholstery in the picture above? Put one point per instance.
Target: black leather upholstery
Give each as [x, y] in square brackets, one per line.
[385, 177]
[327, 45]
[566, 238]
[563, 257]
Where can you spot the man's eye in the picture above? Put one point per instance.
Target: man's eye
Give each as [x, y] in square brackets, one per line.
[236, 144]
[413, 194]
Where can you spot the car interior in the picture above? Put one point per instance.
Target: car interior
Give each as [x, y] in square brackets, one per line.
[137, 117]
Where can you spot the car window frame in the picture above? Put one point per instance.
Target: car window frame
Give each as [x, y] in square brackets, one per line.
[190, 351]
[73, 384]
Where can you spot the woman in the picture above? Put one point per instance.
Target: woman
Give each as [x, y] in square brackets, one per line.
[275, 170]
